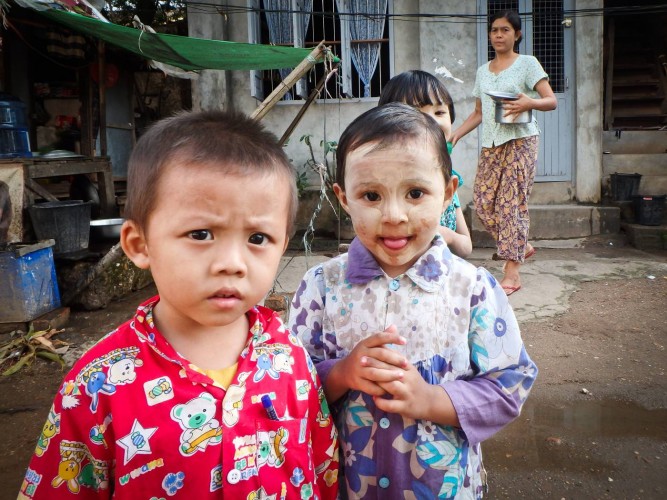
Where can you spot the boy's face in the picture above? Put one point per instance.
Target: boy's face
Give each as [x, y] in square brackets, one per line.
[440, 112]
[395, 197]
[213, 244]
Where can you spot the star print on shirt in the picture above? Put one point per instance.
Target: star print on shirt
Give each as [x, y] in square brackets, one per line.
[136, 442]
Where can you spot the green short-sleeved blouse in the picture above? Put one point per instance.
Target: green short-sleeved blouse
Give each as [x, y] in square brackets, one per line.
[521, 76]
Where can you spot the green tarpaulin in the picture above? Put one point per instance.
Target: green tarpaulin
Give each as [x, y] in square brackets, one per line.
[181, 51]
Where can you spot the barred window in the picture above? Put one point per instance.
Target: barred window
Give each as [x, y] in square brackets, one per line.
[357, 31]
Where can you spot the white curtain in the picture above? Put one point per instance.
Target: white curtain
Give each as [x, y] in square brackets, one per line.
[366, 22]
[279, 17]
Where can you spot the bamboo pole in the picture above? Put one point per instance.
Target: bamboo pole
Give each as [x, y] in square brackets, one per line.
[296, 74]
[313, 94]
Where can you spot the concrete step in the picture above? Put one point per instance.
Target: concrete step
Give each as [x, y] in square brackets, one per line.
[552, 222]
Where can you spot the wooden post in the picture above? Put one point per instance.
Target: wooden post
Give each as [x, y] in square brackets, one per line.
[313, 94]
[296, 74]
[101, 71]
[87, 136]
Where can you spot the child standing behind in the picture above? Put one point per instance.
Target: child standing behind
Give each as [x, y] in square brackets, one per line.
[203, 393]
[420, 351]
[425, 92]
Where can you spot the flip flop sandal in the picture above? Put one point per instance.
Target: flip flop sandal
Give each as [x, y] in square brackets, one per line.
[509, 289]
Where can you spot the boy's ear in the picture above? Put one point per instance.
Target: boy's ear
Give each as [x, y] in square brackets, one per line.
[340, 194]
[133, 241]
[450, 189]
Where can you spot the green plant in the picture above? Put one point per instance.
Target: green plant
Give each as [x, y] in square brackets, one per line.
[326, 169]
[301, 182]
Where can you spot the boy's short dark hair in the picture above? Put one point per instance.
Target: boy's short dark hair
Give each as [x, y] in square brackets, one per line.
[417, 88]
[232, 143]
[388, 126]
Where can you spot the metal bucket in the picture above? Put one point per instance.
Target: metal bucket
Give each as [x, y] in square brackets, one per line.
[523, 117]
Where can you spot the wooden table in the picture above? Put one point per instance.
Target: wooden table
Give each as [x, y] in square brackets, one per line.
[36, 168]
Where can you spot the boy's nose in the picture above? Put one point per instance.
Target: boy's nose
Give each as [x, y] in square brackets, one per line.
[230, 258]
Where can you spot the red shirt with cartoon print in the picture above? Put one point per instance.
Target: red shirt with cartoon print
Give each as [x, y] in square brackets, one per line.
[134, 419]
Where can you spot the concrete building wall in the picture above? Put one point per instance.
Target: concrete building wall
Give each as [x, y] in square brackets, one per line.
[449, 50]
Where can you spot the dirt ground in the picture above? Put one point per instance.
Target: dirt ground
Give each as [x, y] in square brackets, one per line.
[595, 425]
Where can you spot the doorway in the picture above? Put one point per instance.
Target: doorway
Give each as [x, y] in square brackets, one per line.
[548, 35]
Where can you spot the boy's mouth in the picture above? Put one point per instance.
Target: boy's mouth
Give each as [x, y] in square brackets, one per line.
[225, 294]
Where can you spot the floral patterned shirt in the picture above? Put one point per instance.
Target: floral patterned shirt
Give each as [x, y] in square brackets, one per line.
[521, 76]
[462, 334]
[448, 217]
[134, 419]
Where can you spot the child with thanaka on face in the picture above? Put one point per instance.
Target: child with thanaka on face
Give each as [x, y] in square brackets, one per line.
[424, 91]
[202, 393]
[419, 351]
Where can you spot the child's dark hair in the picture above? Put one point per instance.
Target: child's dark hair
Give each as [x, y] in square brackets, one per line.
[513, 18]
[417, 88]
[390, 125]
[230, 143]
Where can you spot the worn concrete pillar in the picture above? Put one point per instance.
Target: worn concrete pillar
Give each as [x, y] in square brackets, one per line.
[589, 39]
[212, 90]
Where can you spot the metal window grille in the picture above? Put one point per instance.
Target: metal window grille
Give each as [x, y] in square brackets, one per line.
[325, 24]
[494, 6]
[547, 35]
[548, 46]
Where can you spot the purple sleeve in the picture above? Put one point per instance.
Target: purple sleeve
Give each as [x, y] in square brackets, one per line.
[503, 374]
[482, 406]
[324, 367]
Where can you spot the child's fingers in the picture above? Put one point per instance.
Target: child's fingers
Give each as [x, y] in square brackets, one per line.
[382, 357]
[371, 389]
[391, 405]
[382, 374]
[389, 336]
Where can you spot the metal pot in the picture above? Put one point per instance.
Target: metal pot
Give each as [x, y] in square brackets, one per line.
[523, 117]
[106, 229]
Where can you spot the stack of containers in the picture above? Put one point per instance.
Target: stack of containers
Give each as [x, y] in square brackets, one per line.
[14, 140]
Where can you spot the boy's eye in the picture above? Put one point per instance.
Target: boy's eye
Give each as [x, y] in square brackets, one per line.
[201, 234]
[372, 196]
[415, 193]
[258, 239]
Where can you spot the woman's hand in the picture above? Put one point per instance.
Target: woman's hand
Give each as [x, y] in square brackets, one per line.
[546, 102]
[518, 106]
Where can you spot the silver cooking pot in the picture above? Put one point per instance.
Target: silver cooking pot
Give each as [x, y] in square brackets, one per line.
[498, 98]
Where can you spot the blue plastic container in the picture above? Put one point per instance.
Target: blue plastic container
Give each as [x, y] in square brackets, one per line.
[28, 283]
[14, 139]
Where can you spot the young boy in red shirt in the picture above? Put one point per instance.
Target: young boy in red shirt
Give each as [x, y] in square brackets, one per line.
[203, 394]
